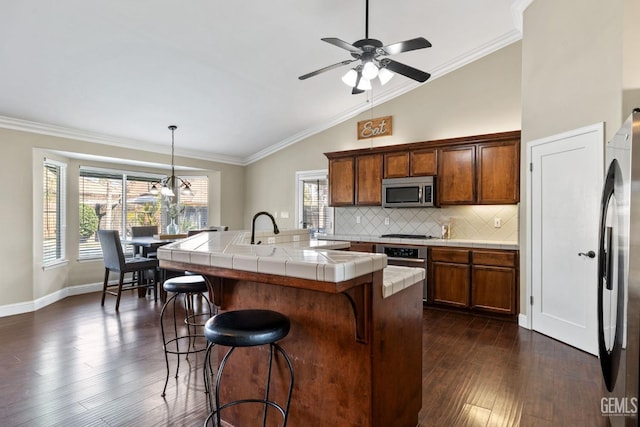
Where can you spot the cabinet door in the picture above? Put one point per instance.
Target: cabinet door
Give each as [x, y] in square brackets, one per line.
[456, 175]
[450, 284]
[493, 289]
[396, 165]
[362, 247]
[341, 181]
[498, 173]
[423, 162]
[369, 180]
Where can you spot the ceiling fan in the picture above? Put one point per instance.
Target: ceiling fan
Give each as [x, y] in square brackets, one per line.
[372, 55]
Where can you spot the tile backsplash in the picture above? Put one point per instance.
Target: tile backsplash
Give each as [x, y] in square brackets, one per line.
[467, 222]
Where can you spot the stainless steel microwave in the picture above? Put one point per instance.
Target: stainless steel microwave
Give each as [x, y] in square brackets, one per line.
[414, 192]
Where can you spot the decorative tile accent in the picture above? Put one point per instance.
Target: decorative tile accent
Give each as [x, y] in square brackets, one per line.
[467, 222]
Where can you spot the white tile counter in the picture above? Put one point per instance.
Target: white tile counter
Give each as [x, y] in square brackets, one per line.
[291, 254]
[486, 244]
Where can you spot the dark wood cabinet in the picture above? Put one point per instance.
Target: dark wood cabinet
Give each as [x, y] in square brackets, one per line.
[476, 280]
[401, 164]
[369, 180]
[341, 181]
[423, 162]
[498, 172]
[456, 175]
[482, 169]
[362, 247]
[450, 280]
[494, 282]
[396, 165]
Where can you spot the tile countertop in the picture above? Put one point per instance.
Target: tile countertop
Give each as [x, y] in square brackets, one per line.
[486, 244]
[289, 253]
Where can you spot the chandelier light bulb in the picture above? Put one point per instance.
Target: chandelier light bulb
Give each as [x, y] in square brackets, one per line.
[350, 77]
[384, 75]
[369, 71]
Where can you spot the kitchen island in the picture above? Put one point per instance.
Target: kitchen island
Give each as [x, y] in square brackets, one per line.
[356, 326]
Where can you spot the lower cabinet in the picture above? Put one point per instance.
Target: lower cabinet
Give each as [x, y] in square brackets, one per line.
[473, 279]
[362, 247]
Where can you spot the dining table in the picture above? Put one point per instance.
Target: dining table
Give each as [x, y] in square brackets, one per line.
[145, 245]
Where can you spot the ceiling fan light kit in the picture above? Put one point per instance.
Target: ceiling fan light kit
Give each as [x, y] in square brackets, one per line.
[372, 55]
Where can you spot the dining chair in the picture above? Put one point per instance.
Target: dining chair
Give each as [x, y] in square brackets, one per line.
[114, 260]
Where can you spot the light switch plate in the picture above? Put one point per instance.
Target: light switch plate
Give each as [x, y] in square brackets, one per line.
[497, 222]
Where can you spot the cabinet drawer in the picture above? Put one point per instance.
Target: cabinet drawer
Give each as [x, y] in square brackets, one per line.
[362, 247]
[497, 258]
[460, 256]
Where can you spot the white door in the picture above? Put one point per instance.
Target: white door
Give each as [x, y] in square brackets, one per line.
[564, 205]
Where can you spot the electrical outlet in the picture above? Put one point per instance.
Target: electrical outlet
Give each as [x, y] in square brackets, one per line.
[271, 240]
[386, 221]
[497, 222]
[284, 214]
[296, 238]
[357, 219]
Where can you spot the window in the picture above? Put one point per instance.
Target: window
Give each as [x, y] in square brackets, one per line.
[54, 218]
[118, 200]
[313, 210]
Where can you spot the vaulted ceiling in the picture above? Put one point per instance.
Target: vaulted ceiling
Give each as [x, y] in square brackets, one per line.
[226, 73]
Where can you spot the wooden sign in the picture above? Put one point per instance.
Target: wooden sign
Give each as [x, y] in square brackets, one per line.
[382, 126]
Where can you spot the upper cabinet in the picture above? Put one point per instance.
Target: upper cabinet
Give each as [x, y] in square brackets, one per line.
[341, 181]
[369, 180]
[355, 180]
[401, 164]
[482, 169]
[423, 162]
[498, 173]
[456, 175]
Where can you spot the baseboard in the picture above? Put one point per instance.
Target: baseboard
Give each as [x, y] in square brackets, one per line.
[29, 306]
[522, 321]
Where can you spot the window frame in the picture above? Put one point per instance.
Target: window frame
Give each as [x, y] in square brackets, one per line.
[61, 214]
[301, 176]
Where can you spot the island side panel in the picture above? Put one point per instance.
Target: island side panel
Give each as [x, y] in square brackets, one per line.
[397, 357]
[333, 371]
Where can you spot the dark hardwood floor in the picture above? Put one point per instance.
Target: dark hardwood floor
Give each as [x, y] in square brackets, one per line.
[75, 364]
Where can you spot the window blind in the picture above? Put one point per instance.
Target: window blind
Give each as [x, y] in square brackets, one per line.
[54, 218]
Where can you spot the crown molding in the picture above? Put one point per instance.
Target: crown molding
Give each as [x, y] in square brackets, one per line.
[99, 138]
[517, 10]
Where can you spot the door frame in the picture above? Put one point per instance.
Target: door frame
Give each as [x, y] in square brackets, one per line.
[599, 129]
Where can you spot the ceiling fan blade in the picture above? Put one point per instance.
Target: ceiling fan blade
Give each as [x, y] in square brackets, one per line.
[322, 70]
[342, 44]
[405, 70]
[407, 45]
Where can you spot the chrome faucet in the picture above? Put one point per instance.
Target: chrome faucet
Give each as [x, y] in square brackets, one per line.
[253, 225]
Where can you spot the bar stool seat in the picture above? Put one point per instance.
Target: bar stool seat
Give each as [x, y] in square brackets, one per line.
[247, 328]
[186, 336]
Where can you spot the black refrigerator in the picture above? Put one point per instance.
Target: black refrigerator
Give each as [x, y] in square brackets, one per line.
[619, 276]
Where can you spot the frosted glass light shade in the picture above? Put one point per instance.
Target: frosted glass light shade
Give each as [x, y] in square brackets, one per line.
[369, 71]
[384, 75]
[350, 78]
[364, 84]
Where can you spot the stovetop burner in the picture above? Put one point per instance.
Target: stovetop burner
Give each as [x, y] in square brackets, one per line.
[408, 236]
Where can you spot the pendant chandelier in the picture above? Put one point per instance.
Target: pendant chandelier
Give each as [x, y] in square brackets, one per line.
[168, 184]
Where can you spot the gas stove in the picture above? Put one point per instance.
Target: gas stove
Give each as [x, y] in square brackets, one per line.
[408, 236]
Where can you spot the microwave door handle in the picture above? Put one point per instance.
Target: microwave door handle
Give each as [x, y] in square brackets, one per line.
[420, 194]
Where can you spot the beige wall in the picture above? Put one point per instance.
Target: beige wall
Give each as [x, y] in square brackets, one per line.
[23, 279]
[571, 77]
[482, 97]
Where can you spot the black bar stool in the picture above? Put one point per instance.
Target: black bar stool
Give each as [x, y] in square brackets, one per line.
[246, 328]
[184, 338]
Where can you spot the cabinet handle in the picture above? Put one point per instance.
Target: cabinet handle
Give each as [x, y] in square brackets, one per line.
[590, 254]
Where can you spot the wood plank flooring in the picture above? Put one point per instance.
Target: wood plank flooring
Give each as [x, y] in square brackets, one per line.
[74, 363]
